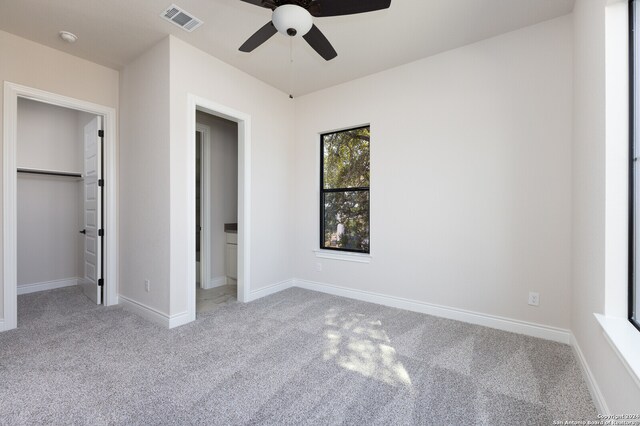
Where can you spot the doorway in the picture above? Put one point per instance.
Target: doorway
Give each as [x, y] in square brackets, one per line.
[58, 199]
[243, 124]
[216, 195]
[91, 175]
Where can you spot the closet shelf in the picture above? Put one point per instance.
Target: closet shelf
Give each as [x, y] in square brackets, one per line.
[50, 172]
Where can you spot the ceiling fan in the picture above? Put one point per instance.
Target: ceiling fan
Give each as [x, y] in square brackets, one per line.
[295, 18]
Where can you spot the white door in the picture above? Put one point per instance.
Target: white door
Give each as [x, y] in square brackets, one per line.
[199, 213]
[92, 212]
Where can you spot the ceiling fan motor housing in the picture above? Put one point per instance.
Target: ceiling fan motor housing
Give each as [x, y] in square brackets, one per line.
[292, 20]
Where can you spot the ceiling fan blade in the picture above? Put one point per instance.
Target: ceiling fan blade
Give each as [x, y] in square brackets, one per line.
[320, 44]
[320, 8]
[262, 3]
[259, 37]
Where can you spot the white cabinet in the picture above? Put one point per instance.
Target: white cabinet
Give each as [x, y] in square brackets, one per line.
[232, 255]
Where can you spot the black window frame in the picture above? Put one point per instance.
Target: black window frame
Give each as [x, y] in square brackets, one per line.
[633, 164]
[324, 191]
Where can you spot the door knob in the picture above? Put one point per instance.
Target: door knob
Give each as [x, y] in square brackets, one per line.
[84, 231]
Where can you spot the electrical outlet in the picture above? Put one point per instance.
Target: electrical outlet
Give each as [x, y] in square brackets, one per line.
[319, 267]
[534, 298]
[147, 285]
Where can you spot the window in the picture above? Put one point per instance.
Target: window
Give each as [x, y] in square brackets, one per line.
[634, 170]
[344, 190]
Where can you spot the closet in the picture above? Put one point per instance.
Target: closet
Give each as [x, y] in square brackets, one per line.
[58, 198]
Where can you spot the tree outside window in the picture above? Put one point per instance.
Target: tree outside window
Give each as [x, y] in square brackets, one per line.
[344, 190]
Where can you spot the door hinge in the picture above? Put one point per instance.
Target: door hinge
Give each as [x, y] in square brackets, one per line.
[100, 182]
[101, 133]
[101, 233]
[100, 282]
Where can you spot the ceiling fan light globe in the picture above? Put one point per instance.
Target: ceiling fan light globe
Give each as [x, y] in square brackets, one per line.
[292, 20]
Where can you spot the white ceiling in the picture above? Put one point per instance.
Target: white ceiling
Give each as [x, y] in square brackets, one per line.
[114, 32]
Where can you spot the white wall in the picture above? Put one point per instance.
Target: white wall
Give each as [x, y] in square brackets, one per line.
[195, 72]
[589, 207]
[49, 208]
[223, 185]
[34, 65]
[153, 171]
[48, 137]
[144, 179]
[48, 225]
[470, 176]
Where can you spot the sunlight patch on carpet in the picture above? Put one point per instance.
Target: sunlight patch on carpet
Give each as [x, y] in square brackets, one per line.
[361, 345]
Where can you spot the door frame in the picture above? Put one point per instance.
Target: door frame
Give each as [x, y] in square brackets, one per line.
[205, 205]
[12, 92]
[244, 195]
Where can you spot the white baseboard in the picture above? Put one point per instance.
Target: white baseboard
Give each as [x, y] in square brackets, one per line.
[492, 321]
[1, 325]
[154, 315]
[144, 311]
[266, 291]
[215, 282]
[177, 320]
[46, 285]
[594, 389]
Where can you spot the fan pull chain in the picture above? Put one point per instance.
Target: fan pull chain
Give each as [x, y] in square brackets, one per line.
[290, 67]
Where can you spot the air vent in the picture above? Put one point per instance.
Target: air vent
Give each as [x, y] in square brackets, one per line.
[181, 18]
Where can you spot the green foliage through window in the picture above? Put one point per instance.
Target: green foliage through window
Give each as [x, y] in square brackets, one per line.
[344, 190]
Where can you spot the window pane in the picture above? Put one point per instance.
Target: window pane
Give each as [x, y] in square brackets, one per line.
[346, 159]
[346, 220]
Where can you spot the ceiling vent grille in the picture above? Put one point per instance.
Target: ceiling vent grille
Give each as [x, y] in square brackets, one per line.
[181, 18]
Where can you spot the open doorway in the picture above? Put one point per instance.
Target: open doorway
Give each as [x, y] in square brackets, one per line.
[242, 121]
[216, 196]
[59, 198]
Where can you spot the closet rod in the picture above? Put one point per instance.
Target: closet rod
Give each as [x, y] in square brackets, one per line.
[49, 172]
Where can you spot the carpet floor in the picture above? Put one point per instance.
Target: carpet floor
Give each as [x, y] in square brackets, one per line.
[296, 357]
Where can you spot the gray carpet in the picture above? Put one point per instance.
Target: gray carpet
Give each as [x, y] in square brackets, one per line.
[297, 357]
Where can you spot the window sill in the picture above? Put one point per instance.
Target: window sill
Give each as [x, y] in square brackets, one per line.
[624, 338]
[349, 257]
